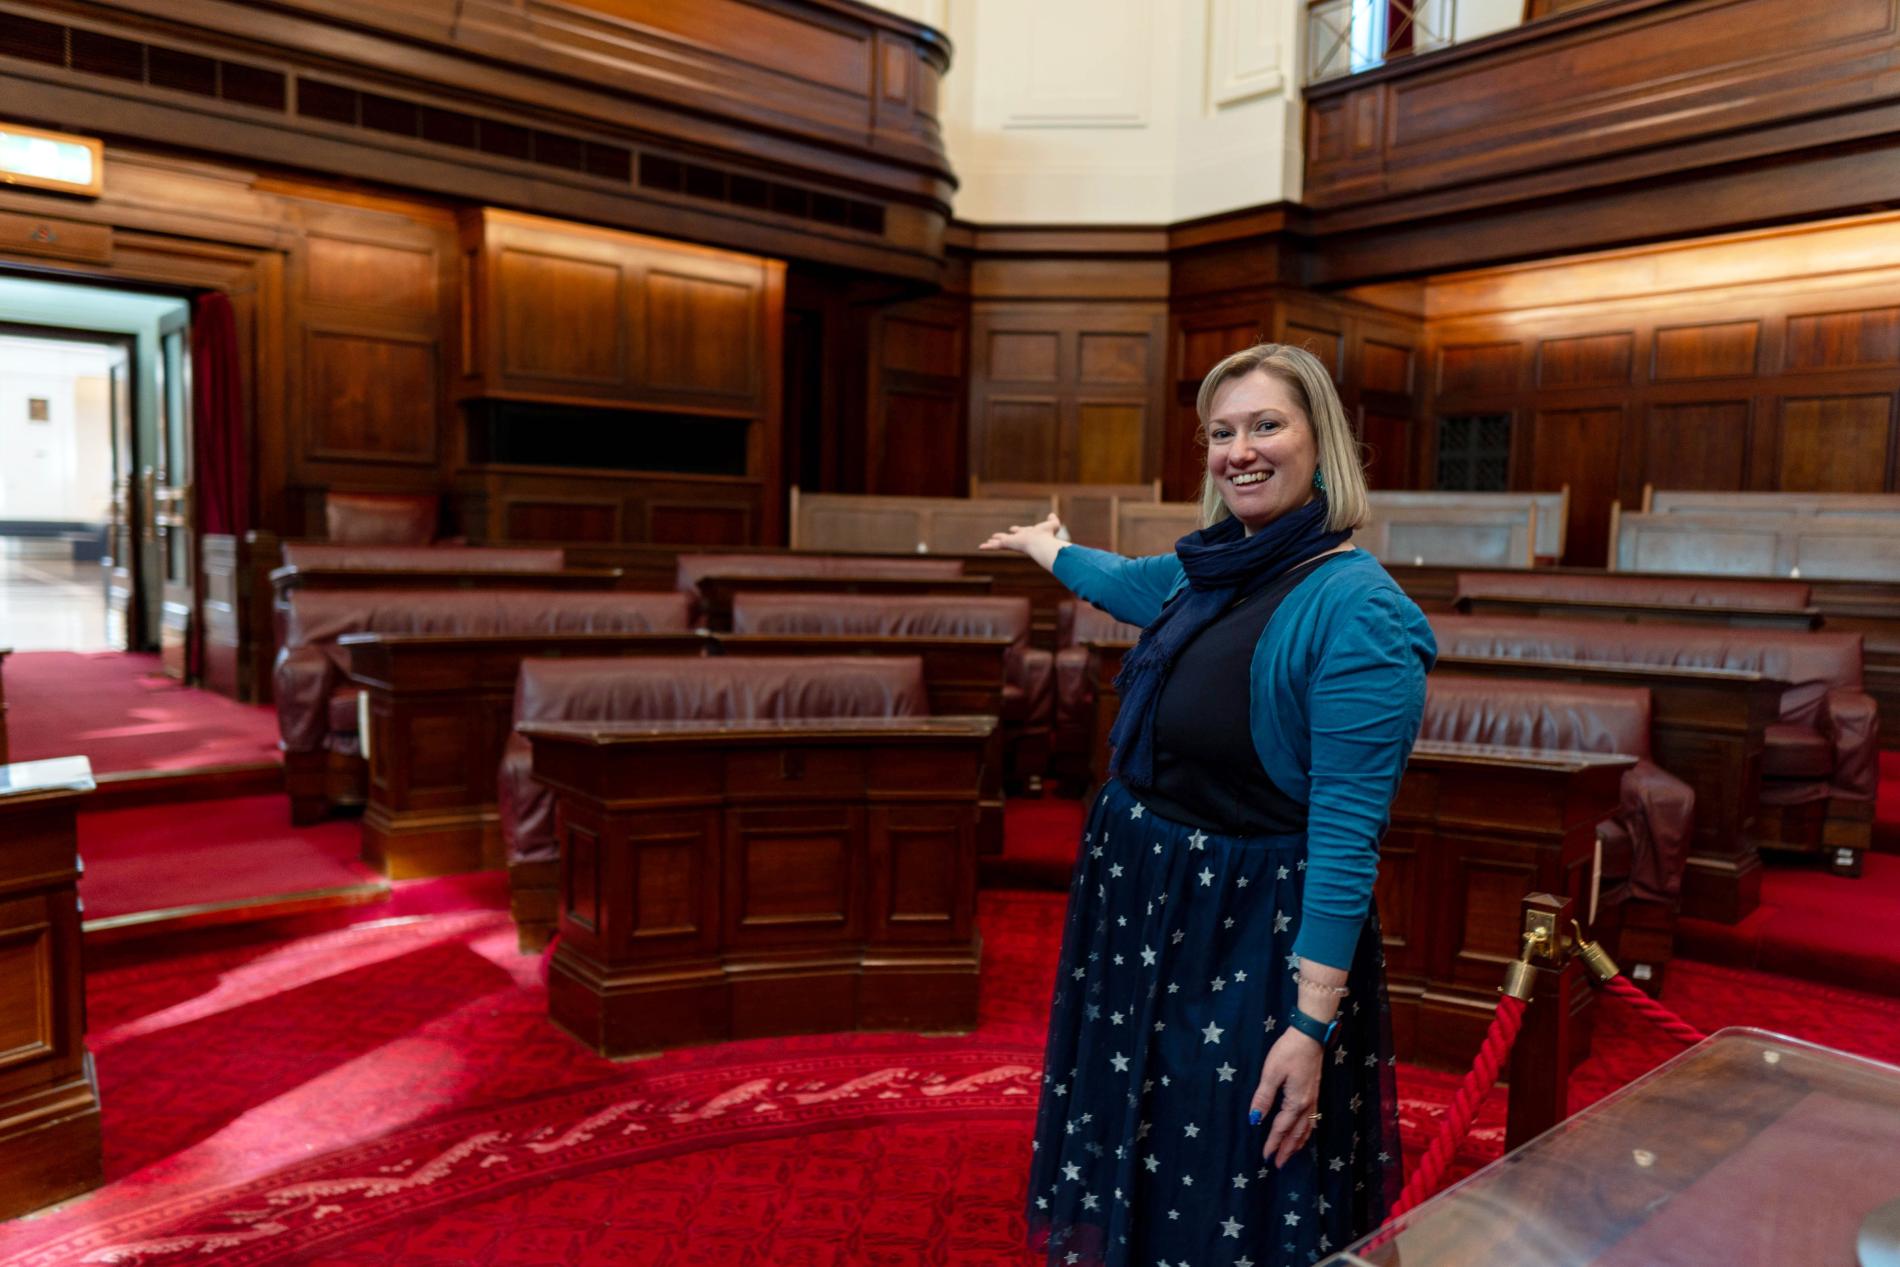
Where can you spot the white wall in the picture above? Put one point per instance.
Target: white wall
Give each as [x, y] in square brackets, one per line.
[1129, 111]
[61, 469]
[1119, 111]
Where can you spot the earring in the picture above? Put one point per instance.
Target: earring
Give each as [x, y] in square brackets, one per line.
[1319, 480]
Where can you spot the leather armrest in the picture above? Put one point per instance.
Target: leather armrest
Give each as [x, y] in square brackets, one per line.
[1658, 812]
[304, 680]
[526, 806]
[1032, 669]
[1075, 699]
[1851, 723]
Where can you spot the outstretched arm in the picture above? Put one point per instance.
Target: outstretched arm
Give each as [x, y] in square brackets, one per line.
[1041, 542]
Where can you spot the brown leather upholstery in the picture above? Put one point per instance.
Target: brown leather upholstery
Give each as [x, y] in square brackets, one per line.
[722, 688]
[324, 554]
[393, 519]
[1077, 624]
[692, 567]
[310, 666]
[1623, 587]
[1646, 843]
[1824, 697]
[1027, 694]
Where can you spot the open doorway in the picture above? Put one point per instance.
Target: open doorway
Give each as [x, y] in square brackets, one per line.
[95, 551]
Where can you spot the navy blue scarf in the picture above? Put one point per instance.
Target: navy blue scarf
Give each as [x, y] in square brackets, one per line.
[1221, 562]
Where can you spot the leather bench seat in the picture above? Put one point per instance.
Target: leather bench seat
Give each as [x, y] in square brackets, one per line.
[324, 554]
[691, 568]
[310, 673]
[380, 518]
[1619, 587]
[1028, 694]
[1651, 829]
[1824, 710]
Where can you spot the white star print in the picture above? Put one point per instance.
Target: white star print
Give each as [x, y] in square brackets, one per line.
[1228, 922]
[1147, 957]
[1093, 1011]
[1212, 1033]
[1240, 974]
[1174, 1214]
[1240, 1180]
[1187, 1181]
[1230, 1227]
[1157, 846]
[1336, 1164]
[1226, 1072]
[1095, 852]
[1191, 1131]
[1179, 937]
[1301, 864]
[1339, 1057]
[1292, 1219]
[1116, 1017]
[1114, 870]
[1062, 1088]
[1241, 883]
[1280, 921]
[1077, 974]
[1042, 1203]
[1089, 1202]
[1207, 877]
[1292, 961]
[1357, 1102]
[1152, 1162]
[1072, 1171]
[1324, 1205]
[1121, 921]
[1137, 811]
[1198, 839]
[1174, 987]
[1120, 1062]
[1271, 1022]
[1324, 1243]
[1217, 984]
[1243, 1262]
[1118, 961]
[1280, 874]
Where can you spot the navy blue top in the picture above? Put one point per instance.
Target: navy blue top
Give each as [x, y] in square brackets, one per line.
[1336, 691]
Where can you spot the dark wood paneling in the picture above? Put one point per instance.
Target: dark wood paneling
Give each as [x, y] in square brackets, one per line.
[1843, 340]
[1719, 350]
[1695, 445]
[1836, 444]
[915, 439]
[371, 398]
[1584, 449]
[1590, 360]
[1016, 438]
[1478, 367]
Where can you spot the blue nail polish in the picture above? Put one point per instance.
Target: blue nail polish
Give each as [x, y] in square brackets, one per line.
[1253, 1117]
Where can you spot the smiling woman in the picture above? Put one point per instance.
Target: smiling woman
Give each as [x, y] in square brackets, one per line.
[1218, 1080]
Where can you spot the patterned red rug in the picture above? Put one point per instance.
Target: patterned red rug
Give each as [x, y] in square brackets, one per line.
[394, 1093]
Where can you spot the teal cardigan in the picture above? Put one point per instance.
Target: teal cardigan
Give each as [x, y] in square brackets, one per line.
[1337, 691]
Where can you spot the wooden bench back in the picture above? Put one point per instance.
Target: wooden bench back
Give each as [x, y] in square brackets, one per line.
[1461, 536]
[1086, 510]
[1810, 547]
[1553, 510]
[1696, 502]
[906, 525]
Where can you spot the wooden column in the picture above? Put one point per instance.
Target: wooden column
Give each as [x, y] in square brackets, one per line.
[49, 1100]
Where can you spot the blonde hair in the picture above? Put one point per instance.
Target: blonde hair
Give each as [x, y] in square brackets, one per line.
[1340, 465]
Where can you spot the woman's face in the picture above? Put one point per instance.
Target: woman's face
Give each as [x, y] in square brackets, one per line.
[1261, 450]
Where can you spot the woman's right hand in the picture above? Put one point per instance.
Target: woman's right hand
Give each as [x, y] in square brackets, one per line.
[1040, 541]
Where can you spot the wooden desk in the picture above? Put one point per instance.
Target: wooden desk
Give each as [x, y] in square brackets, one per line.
[1749, 1150]
[439, 709]
[49, 1099]
[723, 881]
[963, 676]
[1707, 728]
[716, 591]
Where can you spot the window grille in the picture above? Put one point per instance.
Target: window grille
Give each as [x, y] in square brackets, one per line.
[1344, 37]
[1474, 453]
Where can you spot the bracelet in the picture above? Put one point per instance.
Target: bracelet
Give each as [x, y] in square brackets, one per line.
[1338, 990]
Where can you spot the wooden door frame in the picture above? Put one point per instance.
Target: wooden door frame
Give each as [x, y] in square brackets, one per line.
[251, 274]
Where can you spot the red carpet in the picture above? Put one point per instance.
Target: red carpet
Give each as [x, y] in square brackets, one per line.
[1039, 839]
[123, 713]
[1815, 926]
[163, 857]
[394, 1093]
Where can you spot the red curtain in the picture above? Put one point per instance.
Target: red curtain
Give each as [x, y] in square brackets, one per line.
[220, 447]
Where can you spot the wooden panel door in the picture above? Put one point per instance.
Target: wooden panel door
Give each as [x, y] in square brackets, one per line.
[1582, 448]
[125, 622]
[174, 583]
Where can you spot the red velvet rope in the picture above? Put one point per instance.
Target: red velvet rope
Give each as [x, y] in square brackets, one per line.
[1430, 1172]
[1662, 1017]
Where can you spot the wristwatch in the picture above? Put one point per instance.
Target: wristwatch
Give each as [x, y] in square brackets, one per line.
[1319, 1031]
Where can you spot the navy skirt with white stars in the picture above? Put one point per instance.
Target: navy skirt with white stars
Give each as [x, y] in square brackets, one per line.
[1175, 979]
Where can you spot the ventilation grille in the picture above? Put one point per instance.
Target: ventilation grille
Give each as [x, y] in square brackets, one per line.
[353, 107]
[96, 54]
[695, 180]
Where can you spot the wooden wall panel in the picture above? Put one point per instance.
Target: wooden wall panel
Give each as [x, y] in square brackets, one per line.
[1719, 350]
[1843, 340]
[1065, 392]
[364, 391]
[578, 340]
[1781, 379]
[702, 335]
[916, 439]
[1584, 449]
[1696, 444]
[1838, 444]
